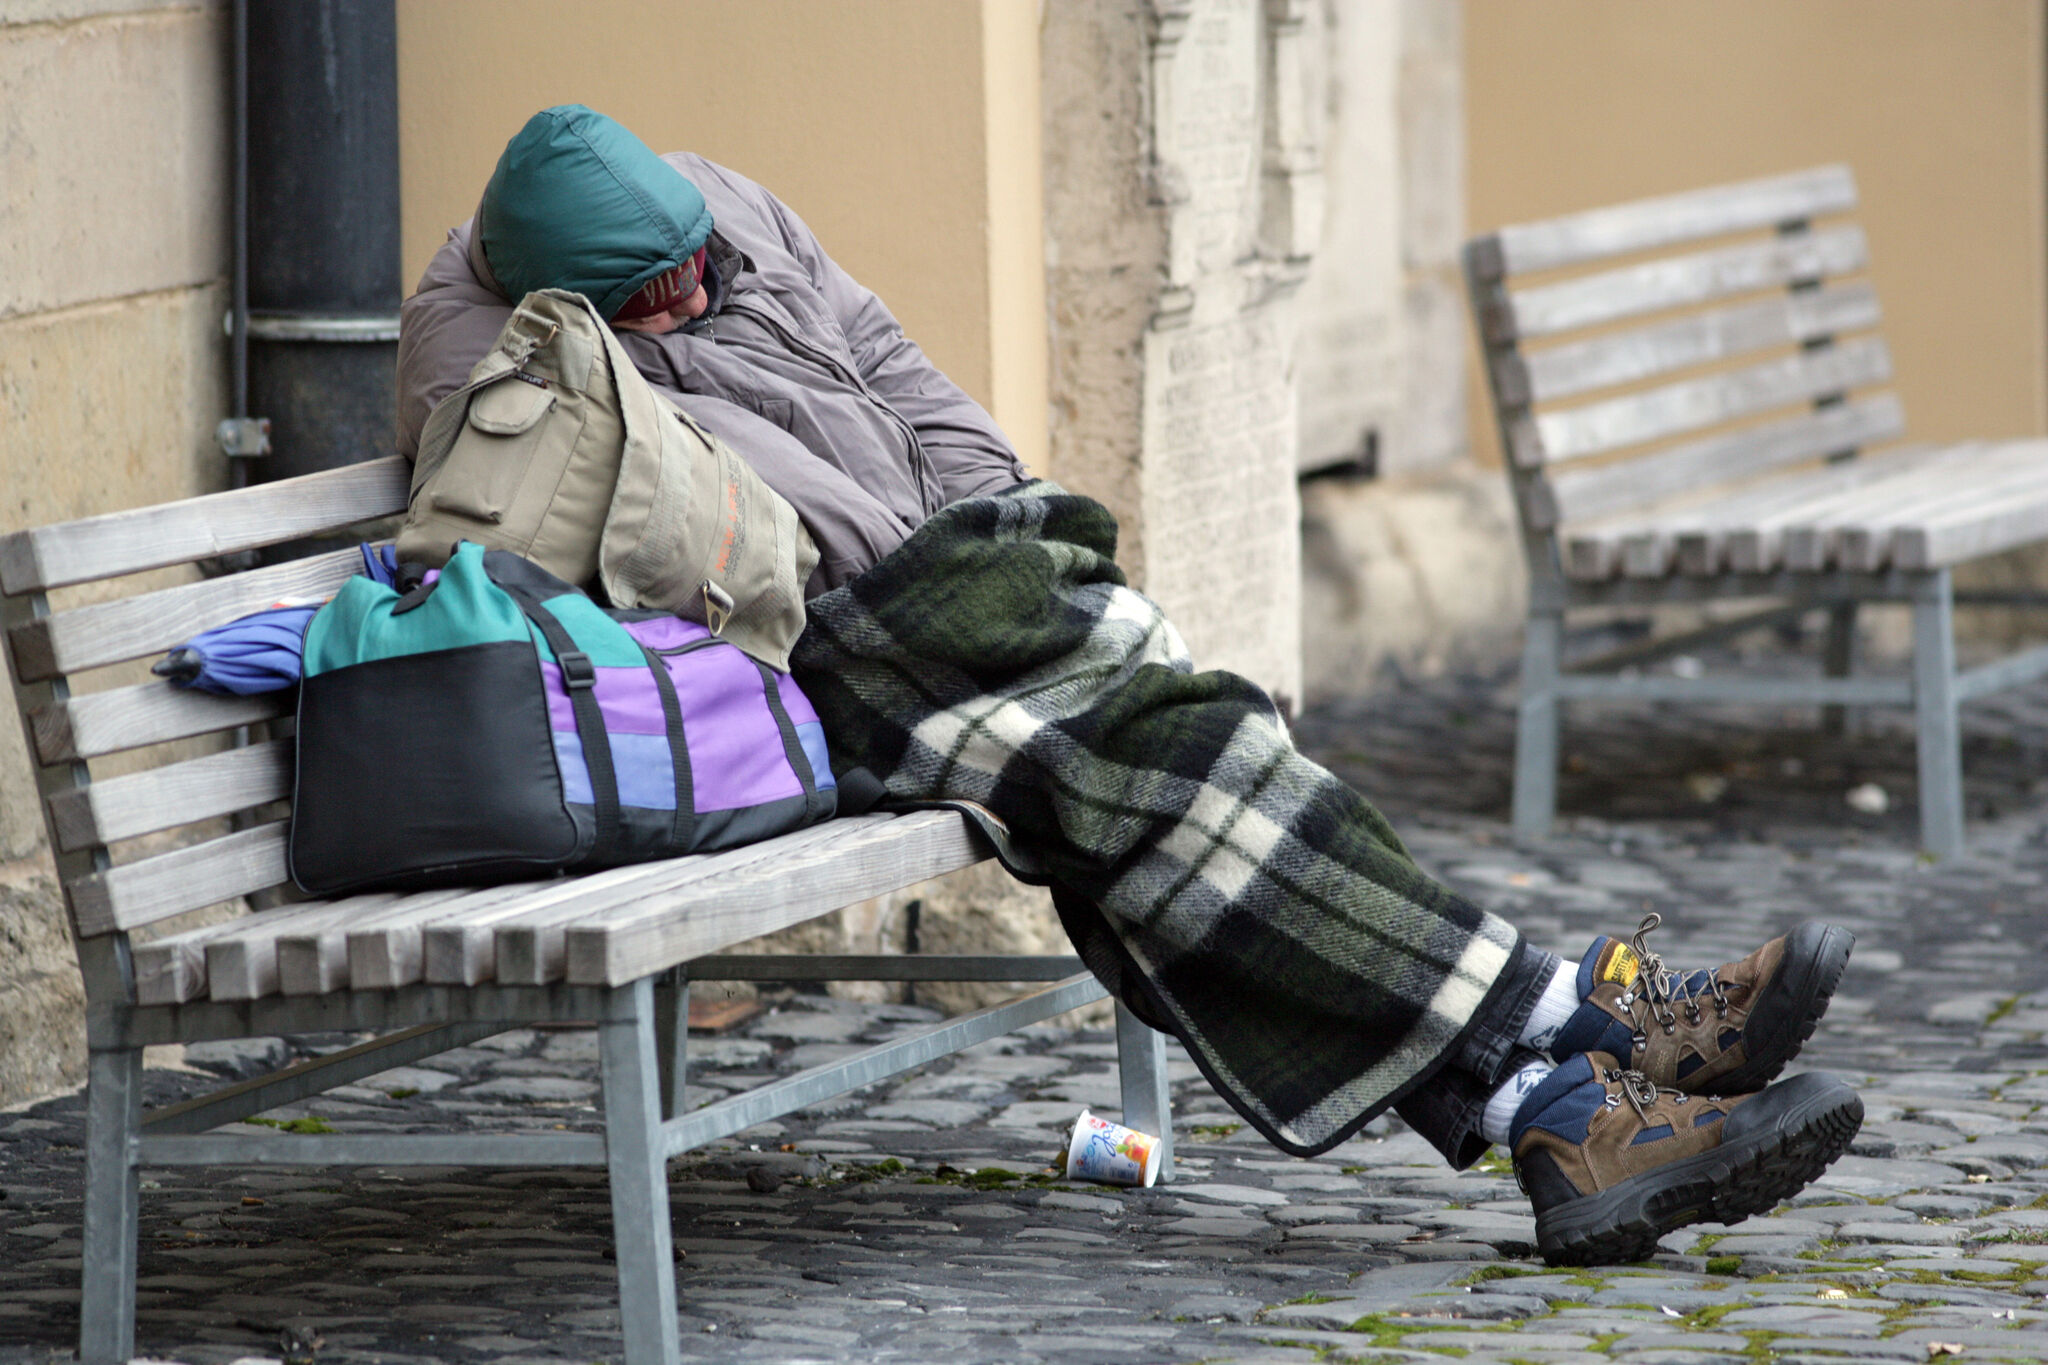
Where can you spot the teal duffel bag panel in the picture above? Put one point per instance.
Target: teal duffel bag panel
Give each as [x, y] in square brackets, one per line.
[366, 621]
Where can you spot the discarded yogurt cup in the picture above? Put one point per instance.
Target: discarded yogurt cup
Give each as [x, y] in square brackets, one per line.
[1111, 1154]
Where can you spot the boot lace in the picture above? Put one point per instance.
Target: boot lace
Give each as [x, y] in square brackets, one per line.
[1637, 1089]
[1663, 992]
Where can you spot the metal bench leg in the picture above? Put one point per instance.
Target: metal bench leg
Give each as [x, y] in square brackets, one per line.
[639, 1176]
[1141, 1068]
[1536, 727]
[106, 1315]
[1934, 704]
[672, 1040]
[1838, 660]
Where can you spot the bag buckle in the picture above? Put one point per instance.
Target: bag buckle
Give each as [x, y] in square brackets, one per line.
[578, 673]
[718, 607]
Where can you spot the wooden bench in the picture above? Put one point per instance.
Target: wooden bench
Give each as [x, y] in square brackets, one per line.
[1687, 427]
[424, 972]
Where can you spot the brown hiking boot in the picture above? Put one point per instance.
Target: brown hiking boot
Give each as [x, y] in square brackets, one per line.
[1728, 1031]
[1612, 1163]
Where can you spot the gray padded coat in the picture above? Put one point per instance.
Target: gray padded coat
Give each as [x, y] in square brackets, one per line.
[801, 370]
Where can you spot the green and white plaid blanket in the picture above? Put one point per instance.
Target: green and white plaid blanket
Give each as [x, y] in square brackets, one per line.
[1232, 890]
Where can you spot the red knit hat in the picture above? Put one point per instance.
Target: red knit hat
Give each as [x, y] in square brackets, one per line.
[665, 290]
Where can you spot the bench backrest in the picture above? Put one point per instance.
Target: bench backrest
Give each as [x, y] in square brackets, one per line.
[69, 730]
[1633, 357]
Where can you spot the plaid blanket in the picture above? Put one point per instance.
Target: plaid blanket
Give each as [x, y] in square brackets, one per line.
[1227, 888]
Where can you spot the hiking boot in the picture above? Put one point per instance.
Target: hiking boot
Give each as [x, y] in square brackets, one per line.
[1612, 1162]
[1728, 1031]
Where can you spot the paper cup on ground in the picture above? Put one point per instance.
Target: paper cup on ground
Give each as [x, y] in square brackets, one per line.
[1111, 1154]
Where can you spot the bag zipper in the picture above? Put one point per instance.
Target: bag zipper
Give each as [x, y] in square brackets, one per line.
[690, 648]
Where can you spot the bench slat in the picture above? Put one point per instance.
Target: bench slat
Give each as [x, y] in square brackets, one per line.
[110, 632]
[2003, 483]
[173, 970]
[1670, 219]
[175, 794]
[312, 959]
[1615, 423]
[1841, 533]
[2019, 521]
[150, 889]
[1691, 530]
[199, 528]
[243, 965]
[1647, 479]
[868, 856]
[1679, 282]
[528, 949]
[1694, 541]
[1698, 339]
[1842, 515]
[464, 953]
[97, 723]
[391, 952]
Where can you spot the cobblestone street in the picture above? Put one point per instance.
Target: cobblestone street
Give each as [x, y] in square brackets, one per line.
[918, 1222]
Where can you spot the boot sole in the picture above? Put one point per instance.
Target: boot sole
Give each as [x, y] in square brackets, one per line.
[1819, 1117]
[1816, 953]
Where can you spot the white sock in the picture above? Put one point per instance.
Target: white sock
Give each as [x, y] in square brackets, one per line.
[1500, 1110]
[1554, 1007]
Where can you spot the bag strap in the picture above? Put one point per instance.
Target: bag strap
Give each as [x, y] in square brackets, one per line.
[683, 833]
[793, 748]
[579, 676]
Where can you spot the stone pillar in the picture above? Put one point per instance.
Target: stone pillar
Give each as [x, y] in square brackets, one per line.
[1382, 352]
[1182, 184]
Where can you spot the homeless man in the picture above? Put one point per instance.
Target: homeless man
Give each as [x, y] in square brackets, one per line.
[970, 637]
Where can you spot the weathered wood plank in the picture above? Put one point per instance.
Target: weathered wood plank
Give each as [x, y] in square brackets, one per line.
[200, 528]
[1673, 409]
[1855, 527]
[1690, 528]
[529, 949]
[389, 950]
[1583, 494]
[244, 965]
[2020, 520]
[1677, 282]
[173, 969]
[1645, 224]
[1698, 339]
[175, 794]
[1993, 503]
[110, 632]
[868, 856]
[97, 723]
[312, 959]
[464, 952]
[150, 889]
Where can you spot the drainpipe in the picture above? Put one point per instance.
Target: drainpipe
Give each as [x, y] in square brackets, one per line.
[317, 270]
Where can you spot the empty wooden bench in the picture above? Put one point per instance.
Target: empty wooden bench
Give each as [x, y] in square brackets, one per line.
[1688, 390]
[424, 972]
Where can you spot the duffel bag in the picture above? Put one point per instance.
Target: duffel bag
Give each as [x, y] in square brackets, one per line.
[495, 724]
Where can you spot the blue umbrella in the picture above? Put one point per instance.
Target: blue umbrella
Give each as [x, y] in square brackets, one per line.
[260, 652]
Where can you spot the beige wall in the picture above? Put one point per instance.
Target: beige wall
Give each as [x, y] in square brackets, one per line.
[113, 231]
[905, 132]
[1937, 105]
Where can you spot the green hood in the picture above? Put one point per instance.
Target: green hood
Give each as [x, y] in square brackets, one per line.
[579, 203]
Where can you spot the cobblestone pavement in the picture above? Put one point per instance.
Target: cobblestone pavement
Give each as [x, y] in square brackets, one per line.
[917, 1222]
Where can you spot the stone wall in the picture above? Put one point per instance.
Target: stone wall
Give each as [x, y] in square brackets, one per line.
[113, 151]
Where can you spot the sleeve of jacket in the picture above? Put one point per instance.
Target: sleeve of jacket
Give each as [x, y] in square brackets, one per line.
[449, 323]
[966, 447]
[853, 531]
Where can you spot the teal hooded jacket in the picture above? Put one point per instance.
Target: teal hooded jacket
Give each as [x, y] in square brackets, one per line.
[578, 202]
